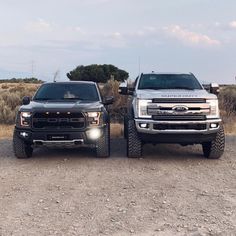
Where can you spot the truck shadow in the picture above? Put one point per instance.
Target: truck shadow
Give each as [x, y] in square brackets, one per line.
[118, 150]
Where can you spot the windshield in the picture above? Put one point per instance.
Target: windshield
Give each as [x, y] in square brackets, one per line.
[73, 91]
[169, 81]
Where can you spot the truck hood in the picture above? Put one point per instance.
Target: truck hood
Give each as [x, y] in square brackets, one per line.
[174, 93]
[81, 106]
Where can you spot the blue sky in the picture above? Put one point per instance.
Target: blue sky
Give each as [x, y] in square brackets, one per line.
[181, 35]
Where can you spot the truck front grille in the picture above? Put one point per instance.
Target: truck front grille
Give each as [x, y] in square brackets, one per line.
[178, 111]
[179, 127]
[58, 120]
[178, 117]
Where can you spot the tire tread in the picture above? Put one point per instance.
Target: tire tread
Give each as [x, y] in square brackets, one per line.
[215, 148]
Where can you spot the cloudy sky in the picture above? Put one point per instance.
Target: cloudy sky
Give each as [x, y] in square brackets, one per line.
[42, 37]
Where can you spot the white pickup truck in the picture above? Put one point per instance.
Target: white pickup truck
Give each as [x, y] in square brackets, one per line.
[172, 108]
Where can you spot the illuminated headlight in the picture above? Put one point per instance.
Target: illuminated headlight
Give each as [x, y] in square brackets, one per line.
[94, 117]
[142, 108]
[25, 119]
[94, 134]
[214, 109]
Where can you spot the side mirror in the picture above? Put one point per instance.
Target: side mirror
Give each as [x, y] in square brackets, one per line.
[131, 91]
[26, 100]
[214, 88]
[123, 89]
[108, 100]
[207, 87]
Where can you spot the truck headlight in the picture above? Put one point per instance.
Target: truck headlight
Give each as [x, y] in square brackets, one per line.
[94, 133]
[94, 118]
[214, 108]
[142, 108]
[25, 118]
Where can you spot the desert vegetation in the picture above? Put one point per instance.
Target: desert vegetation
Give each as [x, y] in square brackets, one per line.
[227, 103]
[11, 95]
[20, 80]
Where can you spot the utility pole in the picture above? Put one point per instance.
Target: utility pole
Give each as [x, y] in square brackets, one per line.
[32, 68]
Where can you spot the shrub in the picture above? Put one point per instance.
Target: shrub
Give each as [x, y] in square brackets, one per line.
[118, 109]
[10, 100]
[5, 86]
[227, 100]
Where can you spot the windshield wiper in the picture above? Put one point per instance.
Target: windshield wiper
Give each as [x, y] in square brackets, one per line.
[182, 87]
[78, 99]
[43, 99]
[154, 88]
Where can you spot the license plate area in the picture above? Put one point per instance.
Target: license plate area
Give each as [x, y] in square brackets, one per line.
[57, 137]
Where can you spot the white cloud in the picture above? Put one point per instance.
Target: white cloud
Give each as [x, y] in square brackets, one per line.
[150, 29]
[114, 40]
[39, 25]
[116, 35]
[191, 37]
[232, 24]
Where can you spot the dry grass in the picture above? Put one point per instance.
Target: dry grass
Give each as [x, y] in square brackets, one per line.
[117, 130]
[11, 95]
[230, 125]
[6, 131]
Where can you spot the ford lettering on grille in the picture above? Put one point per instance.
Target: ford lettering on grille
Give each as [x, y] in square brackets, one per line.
[58, 120]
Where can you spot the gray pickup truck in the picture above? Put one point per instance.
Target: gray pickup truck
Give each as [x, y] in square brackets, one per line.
[63, 114]
[172, 108]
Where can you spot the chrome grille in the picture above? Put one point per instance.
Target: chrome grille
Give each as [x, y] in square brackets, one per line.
[178, 110]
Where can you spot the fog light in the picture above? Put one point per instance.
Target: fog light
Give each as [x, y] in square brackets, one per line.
[143, 125]
[94, 134]
[24, 134]
[214, 125]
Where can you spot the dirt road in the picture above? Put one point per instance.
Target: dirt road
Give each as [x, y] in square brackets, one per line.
[173, 190]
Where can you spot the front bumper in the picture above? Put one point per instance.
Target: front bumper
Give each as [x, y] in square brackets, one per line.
[151, 134]
[59, 137]
[177, 127]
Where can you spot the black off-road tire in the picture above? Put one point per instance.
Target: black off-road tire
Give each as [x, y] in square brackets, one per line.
[125, 126]
[21, 149]
[215, 148]
[134, 143]
[103, 143]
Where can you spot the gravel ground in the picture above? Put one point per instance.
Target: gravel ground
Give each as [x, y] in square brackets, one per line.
[172, 190]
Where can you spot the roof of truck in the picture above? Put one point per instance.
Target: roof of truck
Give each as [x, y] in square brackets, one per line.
[168, 73]
[71, 82]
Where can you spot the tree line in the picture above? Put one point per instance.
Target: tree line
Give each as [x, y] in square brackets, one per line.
[22, 80]
[94, 72]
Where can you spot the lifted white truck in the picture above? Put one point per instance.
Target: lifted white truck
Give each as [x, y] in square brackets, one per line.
[173, 108]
